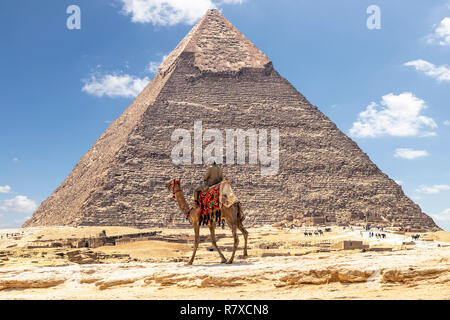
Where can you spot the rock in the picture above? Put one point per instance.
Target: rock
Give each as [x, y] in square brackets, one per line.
[269, 245]
[82, 256]
[29, 283]
[278, 224]
[102, 285]
[275, 254]
[56, 245]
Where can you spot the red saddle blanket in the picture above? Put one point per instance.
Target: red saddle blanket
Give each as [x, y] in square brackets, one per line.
[209, 200]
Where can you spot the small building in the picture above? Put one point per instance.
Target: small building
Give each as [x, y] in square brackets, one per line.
[349, 245]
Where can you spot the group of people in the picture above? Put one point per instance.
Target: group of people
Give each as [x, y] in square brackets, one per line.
[368, 227]
[377, 235]
[10, 235]
[316, 233]
[415, 236]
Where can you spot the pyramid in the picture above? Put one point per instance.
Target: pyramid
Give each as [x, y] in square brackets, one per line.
[217, 76]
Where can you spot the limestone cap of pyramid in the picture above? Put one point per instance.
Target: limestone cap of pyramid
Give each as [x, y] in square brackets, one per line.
[217, 47]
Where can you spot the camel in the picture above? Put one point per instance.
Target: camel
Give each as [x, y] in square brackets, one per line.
[232, 215]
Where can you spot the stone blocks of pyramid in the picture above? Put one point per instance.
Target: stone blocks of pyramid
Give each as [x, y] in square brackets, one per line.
[218, 76]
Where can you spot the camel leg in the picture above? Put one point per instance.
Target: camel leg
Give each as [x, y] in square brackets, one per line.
[236, 243]
[245, 233]
[197, 240]
[212, 228]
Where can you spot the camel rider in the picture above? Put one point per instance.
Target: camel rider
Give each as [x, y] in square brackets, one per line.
[213, 176]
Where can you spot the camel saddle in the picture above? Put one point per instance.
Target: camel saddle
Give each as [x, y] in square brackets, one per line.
[215, 197]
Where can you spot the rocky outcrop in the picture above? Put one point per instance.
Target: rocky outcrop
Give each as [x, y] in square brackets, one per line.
[426, 267]
[218, 76]
[29, 283]
[82, 256]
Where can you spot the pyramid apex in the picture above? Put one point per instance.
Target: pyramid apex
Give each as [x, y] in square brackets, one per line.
[217, 46]
[213, 11]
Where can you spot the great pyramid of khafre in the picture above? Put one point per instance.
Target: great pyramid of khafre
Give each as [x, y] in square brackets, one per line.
[217, 76]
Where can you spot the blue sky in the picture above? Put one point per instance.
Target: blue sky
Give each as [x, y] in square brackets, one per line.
[388, 88]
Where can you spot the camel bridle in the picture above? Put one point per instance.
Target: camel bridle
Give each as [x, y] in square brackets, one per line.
[172, 187]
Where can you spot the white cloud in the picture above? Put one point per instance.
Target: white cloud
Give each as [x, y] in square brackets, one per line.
[443, 216]
[112, 85]
[399, 182]
[170, 12]
[409, 154]
[119, 85]
[428, 134]
[433, 189]
[441, 73]
[233, 1]
[399, 115]
[441, 34]
[15, 223]
[5, 189]
[19, 204]
[154, 65]
[166, 12]
[15, 160]
[447, 122]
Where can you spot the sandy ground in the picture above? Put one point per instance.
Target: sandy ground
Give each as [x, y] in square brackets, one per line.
[282, 264]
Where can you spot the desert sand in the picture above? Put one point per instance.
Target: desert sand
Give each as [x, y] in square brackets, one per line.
[283, 263]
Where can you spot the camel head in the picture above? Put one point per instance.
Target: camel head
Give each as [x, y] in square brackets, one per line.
[170, 184]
